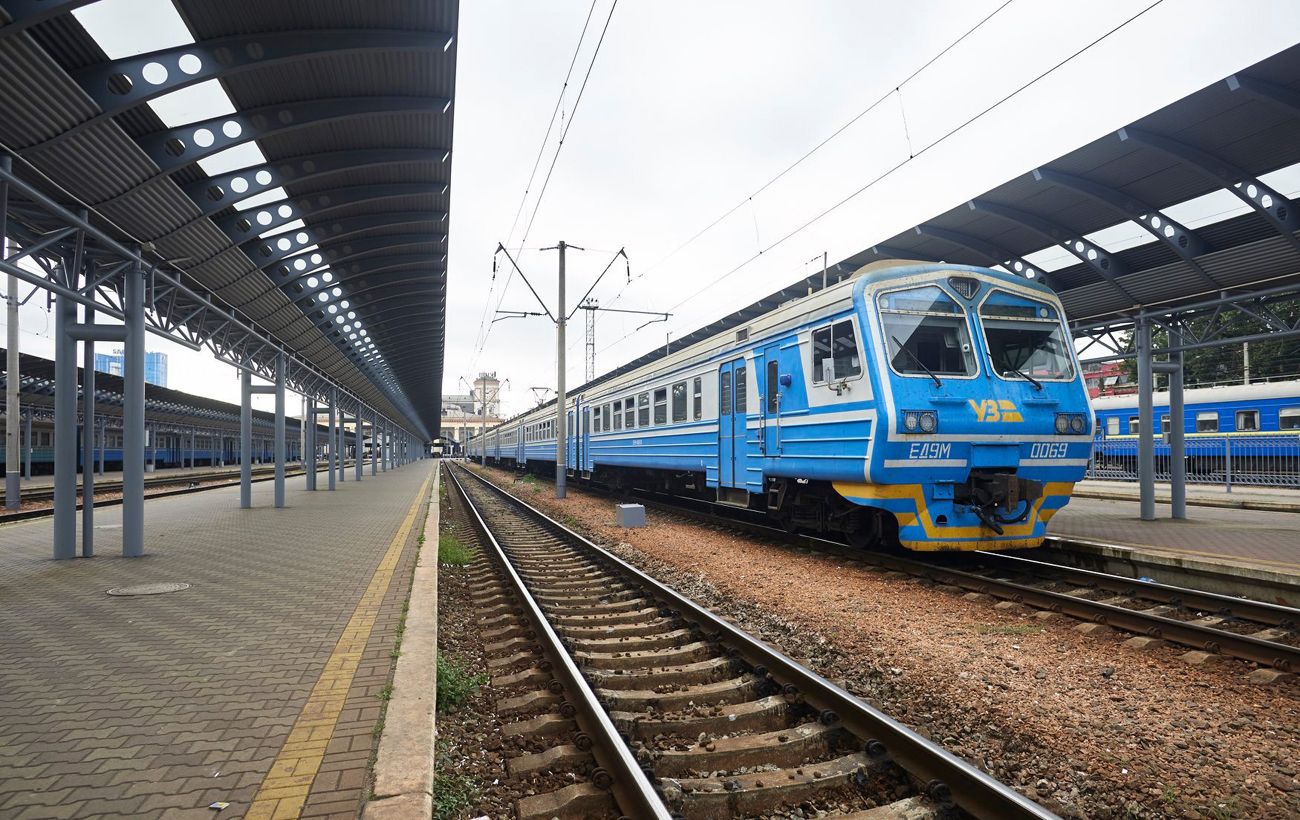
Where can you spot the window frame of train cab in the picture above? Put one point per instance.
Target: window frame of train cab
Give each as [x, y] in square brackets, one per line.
[829, 328]
[1058, 320]
[595, 419]
[886, 340]
[1207, 416]
[1238, 415]
[660, 403]
[1288, 413]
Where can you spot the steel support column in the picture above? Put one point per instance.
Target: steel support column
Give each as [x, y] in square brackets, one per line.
[27, 445]
[1177, 428]
[281, 371]
[65, 429]
[309, 441]
[1146, 431]
[331, 441]
[343, 445]
[13, 480]
[374, 444]
[133, 435]
[245, 439]
[103, 437]
[359, 461]
[88, 435]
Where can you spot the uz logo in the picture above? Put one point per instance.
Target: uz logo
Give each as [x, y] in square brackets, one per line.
[995, 410]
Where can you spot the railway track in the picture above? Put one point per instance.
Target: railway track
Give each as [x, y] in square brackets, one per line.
[1209, 623]
[670, 711]
[154, 484]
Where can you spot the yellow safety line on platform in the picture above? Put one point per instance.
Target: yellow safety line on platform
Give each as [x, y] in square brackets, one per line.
[284, 790]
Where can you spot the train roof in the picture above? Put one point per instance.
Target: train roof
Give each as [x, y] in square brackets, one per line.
[1209, 395]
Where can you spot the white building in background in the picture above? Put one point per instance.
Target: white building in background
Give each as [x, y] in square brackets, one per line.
[462, 413]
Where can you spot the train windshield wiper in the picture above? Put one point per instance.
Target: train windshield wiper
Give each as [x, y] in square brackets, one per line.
[1022, 374]
[919, 363]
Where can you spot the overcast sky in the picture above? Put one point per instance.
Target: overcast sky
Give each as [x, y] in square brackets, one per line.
[693, 106]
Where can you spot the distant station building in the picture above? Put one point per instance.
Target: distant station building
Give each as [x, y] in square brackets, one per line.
[1107, 379]
[463, 413]
[155, 365]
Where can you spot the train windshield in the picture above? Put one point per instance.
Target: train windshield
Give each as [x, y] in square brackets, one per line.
[1025, 337]
[926, 333]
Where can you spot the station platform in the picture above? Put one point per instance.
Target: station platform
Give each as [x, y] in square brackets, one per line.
[1267, 538]
[259, 686]
[1245, 497]
[47, 481]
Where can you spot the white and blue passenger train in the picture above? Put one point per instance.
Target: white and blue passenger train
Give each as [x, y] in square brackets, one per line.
[938, 406]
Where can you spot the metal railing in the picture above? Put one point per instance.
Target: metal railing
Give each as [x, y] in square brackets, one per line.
[1227, 459]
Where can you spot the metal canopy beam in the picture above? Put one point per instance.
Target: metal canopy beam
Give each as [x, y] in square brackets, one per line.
[27, 13]
[1273, 206]
[280, 263]
[335, 230]
[119, 85]
[356, 271]
[1088, 252]
[175, 148]
[247, 224]
[1180, 239]
[308, 295]
[999, 256]
[1280, 96]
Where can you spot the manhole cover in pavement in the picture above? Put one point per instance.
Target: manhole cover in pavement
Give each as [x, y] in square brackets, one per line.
[159, 588]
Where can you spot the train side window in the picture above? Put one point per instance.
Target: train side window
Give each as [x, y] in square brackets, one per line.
[661, 406]
[629, 412]
[697, 390]
[1247, 421]
[618, 415]
[643, 410]
[1207, 422]
[773, 401]
[1288, 418]
[835, 355]
[679, 402]
[1164, 423]
[1133, 425]
[724, 394]
[1112, 426]
[742, 391]
[595, 418]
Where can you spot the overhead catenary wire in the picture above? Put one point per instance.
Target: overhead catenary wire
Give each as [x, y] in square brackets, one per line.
[897, 89]
[564, 133]
[900, 164]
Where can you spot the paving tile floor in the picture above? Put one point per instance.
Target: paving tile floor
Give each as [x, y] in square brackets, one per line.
[1253, 536]
[156, 706]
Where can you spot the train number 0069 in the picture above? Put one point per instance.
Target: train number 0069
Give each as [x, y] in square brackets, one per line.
[1053, 449]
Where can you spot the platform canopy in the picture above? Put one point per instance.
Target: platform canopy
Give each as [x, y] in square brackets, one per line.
[1222, 138]
[343, 260]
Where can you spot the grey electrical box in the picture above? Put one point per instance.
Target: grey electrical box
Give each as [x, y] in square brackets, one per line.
[630, 515]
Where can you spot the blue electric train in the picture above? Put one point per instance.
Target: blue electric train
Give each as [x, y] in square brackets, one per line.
[936, 406]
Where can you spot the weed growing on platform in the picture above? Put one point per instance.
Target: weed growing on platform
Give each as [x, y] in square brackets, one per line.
[533, 482]
[452, 551]
[455, 683]
[452, 792]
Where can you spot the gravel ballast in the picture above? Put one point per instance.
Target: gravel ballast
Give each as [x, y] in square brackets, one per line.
[1080, 723]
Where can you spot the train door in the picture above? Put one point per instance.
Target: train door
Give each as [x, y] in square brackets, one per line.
[771, 404]
[585, 444]
[731, 424]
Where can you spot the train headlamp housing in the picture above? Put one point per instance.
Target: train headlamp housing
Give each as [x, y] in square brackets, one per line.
[920, 421]
[1069, 423]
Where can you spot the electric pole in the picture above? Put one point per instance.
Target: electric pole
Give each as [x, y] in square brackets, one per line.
[590, 306]
[561, 442]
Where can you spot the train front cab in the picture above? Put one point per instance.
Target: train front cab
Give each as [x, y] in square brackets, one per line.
[983, 419]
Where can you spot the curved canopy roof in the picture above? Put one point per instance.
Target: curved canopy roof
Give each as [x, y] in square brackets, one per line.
[343, 261]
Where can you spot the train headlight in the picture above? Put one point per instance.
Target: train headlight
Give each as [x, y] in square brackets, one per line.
[1067, 423]
[929, 421]
[1076, 424]
[920, 421]
[1062, 423]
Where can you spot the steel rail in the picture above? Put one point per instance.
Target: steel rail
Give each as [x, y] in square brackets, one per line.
[946, 778]
[632, 789]
[1247, 608]
[1267, 653]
